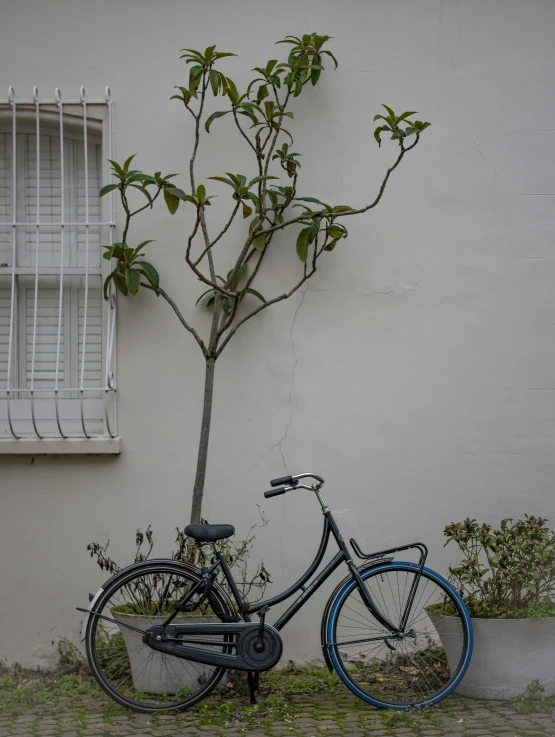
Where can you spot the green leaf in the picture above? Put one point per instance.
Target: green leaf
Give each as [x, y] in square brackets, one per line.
[259, 243]
[315, 76]
[377, 133]
[142, 245]
[238, 276]
[107, 188]
[224, 180]
[309, 199]
[132, 280]
[172, 201]
[117, 168]
[121, 286]
[232, 91]
[144, 191]
[208, 291]
[390, 111]
[253, 291]
[150, 272]
[325, 51]
[127, 162]
[209, 51]
[107, 284]
[254, 225]
[331, 245]
[342, 208]
[247, 210]
[406, 115]
[214, 81]
[201, 192]
[302, 244]
[262, 93]
[260, 179]
[335, 232]
[213, 117]
[313, 230]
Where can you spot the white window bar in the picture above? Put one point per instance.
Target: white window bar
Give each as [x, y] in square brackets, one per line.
[39, 391]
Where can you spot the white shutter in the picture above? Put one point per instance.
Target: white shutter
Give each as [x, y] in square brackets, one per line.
[5, 297]
[49, 255]
[93, 349]
[46, 340]
[6, 214]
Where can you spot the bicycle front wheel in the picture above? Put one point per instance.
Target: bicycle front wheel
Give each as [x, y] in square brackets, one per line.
[128, 669]
[420, 665]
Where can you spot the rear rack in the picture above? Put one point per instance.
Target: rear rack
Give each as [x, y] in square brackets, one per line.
[381, 553]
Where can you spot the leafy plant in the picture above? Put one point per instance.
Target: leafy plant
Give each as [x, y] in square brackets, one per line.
[259, 197]
[236, 552]
[507, 572]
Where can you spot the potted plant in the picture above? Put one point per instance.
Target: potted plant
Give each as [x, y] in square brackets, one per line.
[149, 604]
[507, 580]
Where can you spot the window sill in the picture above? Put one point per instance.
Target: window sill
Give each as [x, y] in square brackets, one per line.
[61, 446]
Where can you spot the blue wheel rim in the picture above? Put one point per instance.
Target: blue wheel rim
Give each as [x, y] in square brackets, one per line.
[332, 618]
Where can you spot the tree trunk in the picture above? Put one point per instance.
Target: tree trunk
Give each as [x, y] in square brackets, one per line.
[198, 489]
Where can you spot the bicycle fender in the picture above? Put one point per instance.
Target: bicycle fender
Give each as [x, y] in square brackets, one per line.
[323, 628]
[133, 566]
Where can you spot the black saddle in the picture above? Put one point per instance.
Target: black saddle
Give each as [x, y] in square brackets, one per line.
[209, 533]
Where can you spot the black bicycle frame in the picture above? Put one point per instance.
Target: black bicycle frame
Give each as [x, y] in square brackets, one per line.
[330, 528]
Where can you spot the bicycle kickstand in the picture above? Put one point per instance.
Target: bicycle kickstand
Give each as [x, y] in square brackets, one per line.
[254, 682]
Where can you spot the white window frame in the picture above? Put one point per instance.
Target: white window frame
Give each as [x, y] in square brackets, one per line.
[22, 405]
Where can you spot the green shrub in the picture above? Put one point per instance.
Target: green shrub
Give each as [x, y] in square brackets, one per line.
[505, 573]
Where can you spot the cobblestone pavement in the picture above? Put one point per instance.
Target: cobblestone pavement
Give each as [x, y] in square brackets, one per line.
[312, 715]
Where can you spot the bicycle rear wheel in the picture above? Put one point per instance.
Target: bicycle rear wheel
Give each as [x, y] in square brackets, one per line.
[129, 670]
[420, 666]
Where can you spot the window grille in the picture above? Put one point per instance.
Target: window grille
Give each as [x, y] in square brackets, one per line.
[57, 333]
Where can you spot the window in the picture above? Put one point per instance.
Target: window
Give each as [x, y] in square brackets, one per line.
[56, 330]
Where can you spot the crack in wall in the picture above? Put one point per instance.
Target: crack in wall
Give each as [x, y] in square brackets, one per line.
[280, 442]
[288, 425]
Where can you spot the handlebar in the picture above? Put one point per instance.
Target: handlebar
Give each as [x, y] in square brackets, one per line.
[282, 480]
[274, 492]
[292, 482]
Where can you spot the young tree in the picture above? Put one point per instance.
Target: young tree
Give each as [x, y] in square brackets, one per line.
[264, 108]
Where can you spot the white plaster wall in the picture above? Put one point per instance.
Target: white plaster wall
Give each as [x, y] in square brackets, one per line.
[416, 373]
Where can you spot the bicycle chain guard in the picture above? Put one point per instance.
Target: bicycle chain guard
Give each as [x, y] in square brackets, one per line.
[243, 648]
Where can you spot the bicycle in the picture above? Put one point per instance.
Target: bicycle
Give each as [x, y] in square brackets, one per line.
[397, 633]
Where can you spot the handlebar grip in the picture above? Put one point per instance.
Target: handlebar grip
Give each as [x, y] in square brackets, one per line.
[274, 492]
[282, 480]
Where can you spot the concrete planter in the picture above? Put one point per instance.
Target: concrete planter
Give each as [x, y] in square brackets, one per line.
[158, 677]
[508, 655]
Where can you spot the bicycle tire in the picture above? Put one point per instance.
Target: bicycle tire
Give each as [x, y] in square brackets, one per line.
[408, 667]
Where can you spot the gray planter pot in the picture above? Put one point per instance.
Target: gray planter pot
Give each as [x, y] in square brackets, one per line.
[158, 677]
[508, 655]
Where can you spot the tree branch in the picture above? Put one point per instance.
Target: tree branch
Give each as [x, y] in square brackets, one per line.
[223, 232]
[263, 306]
[247, 139]
[161, 292]
[373, 204]
[214, 284]
[149, 204]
